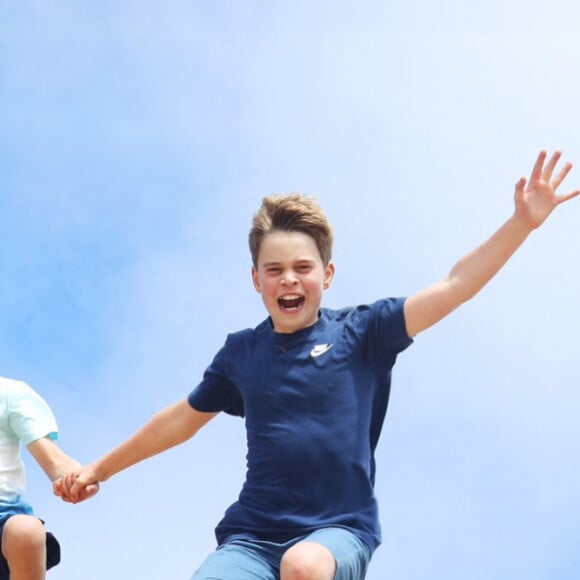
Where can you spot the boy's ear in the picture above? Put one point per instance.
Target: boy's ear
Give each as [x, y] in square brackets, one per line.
[328, 275]
[256, 279]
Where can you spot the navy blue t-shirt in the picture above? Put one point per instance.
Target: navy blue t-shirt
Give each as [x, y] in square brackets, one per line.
[314, 402]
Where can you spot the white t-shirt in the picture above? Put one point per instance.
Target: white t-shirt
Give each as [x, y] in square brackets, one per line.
[24, 417]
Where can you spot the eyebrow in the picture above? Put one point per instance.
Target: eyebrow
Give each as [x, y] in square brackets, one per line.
[277, 263]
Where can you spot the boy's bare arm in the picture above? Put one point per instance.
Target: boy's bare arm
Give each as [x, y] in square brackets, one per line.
[56, 463]
[168, 428]
[53, 460]
[534, 202]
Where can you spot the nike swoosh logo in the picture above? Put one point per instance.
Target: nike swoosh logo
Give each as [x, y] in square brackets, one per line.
[320, 349]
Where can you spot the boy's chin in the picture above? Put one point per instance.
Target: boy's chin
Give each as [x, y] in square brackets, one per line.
[286, 324]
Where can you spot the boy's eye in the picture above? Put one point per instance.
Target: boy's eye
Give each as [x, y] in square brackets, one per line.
[304, 268]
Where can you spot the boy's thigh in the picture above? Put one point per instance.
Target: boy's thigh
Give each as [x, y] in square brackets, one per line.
[235, 561]
[351, 554]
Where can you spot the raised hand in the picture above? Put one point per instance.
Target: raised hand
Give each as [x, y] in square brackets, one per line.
[536, 199]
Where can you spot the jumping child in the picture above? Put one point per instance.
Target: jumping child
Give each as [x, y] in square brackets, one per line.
[313, 385]
[28, 550]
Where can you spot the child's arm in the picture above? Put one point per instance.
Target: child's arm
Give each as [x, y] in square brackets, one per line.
[168, 428]
[55, 462]
[534, 202]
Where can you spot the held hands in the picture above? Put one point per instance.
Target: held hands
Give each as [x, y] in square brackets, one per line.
[75, 487]
[536, 199]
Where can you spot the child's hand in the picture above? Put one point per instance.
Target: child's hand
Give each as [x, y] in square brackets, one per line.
[535, 200]
[63, 487]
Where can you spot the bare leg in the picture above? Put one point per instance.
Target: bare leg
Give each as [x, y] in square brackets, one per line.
[308, 561]
[24, 547]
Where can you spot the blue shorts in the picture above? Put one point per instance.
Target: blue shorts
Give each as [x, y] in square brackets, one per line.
[241, 559]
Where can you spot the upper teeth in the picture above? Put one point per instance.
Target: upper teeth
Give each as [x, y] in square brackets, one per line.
[290, 297]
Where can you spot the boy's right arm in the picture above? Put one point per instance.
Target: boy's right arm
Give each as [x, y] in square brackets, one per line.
[168, 428]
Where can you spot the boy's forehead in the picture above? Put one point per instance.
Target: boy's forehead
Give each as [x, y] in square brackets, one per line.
[285, 246]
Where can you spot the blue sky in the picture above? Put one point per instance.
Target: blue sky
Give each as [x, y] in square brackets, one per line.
[136, 141]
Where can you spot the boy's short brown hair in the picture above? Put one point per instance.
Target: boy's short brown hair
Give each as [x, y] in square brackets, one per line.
[292, 212]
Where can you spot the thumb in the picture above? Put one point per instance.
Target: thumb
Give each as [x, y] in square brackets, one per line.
[91, 490]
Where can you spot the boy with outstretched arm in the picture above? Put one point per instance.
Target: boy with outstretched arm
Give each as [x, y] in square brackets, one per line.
[28, 550]
[313, 385]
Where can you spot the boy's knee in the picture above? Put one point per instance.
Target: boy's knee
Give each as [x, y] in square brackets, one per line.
[23, 534]
[307, 561]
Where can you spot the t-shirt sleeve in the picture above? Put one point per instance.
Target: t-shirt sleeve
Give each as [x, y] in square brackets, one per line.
[217, 392]
[30, 417]
[387, 333]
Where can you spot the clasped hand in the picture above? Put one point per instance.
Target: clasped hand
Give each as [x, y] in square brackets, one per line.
[71, 490]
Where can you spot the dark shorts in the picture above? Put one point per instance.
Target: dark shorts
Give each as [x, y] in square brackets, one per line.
[52, 553]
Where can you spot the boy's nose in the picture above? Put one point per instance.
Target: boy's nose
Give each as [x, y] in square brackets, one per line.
[289, 278]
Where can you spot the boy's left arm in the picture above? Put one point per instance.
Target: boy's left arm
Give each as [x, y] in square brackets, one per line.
[534, 202]
[56, 463]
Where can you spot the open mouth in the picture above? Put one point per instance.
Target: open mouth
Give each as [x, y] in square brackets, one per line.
[290, 301]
